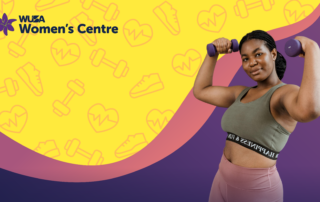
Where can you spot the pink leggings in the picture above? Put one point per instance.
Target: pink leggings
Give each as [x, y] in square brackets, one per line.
[234, 183]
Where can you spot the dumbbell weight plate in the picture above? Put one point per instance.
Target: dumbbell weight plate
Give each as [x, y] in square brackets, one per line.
[97, 56]
[211, 49]
[11, 86]
[86, 4]
[76, 86]
[72, 147]
[121, 69]
[111, 13]
[234, 45]
[16, 50]
[96, 158]
[267, 4]
[241, 9]
[60, 109]
[293, 48]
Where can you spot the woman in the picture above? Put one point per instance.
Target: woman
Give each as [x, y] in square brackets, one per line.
[259, 119]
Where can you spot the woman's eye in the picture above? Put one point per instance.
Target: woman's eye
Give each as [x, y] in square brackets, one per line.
[244, 60]
[259, 54]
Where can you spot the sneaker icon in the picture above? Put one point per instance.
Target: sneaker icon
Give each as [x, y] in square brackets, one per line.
[168, 16]
[47, 4]
[148, 84]
[132, 145]
[31, 77]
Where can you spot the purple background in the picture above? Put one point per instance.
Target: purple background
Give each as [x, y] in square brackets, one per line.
[187, 174]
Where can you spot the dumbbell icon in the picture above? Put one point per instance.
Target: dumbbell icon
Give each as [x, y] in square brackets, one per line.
[72, 148]
[97, 57]
[111, 12]
[211, 49]
[61, 108]
[293, 48]
[10, 86]
[242, 8]
[16, 49]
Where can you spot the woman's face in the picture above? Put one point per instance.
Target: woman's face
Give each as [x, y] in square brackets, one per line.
[257, 61]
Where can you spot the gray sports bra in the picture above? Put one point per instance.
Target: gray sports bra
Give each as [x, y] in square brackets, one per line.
[253, 126]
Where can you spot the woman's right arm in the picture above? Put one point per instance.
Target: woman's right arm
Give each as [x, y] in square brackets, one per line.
[216, 95]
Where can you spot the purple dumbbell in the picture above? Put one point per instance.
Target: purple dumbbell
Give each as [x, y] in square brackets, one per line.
[211, 49]
[293, 48]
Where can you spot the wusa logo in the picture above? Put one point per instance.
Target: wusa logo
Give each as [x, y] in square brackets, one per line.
[5, 24]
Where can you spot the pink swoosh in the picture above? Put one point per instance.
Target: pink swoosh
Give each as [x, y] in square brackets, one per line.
[189, 118]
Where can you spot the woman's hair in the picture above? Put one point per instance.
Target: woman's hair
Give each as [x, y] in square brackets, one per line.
[270, 44]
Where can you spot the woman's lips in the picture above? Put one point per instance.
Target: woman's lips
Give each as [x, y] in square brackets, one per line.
[256, 72]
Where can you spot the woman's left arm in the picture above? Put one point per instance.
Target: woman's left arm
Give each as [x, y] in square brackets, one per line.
[303, 104]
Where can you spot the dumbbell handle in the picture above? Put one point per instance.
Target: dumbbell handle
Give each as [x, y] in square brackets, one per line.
[109, 63]
[3, 89]
[99, 6]
[84, 153]
[68, 98]
[254, 5]
[293, 48]
[22, 39]
[24, 36]
[211, 49]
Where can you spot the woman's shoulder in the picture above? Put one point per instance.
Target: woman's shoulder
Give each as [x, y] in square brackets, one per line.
[238, 89]
[289, 87]
[285, 90]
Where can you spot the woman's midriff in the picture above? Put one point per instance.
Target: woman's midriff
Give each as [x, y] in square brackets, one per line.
[244, 157]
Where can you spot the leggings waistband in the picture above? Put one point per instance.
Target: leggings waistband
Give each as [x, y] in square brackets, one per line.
[248, 178]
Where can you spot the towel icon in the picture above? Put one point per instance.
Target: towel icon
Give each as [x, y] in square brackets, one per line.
[168, 16]
[64, 53]
[157, 120]
[187, 64]
[14, 120]
[294, 11]
[148, 84]
[136, 34]
[212, 20]
[102, 119]
[131, 145]
[48, 148]
[42, 5]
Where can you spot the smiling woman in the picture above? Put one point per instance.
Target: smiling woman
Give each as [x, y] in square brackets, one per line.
[259, 119]
[265, 46]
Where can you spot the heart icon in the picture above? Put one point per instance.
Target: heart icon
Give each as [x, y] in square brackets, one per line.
[14, 120]
[187, 64]
[294, 11]
[212, 20]
[157, 120]
[102, 119]
[136, 34]
[64, 53]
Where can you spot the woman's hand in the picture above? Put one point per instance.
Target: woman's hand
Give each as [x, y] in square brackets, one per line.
[304, 43]
[222, 45]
